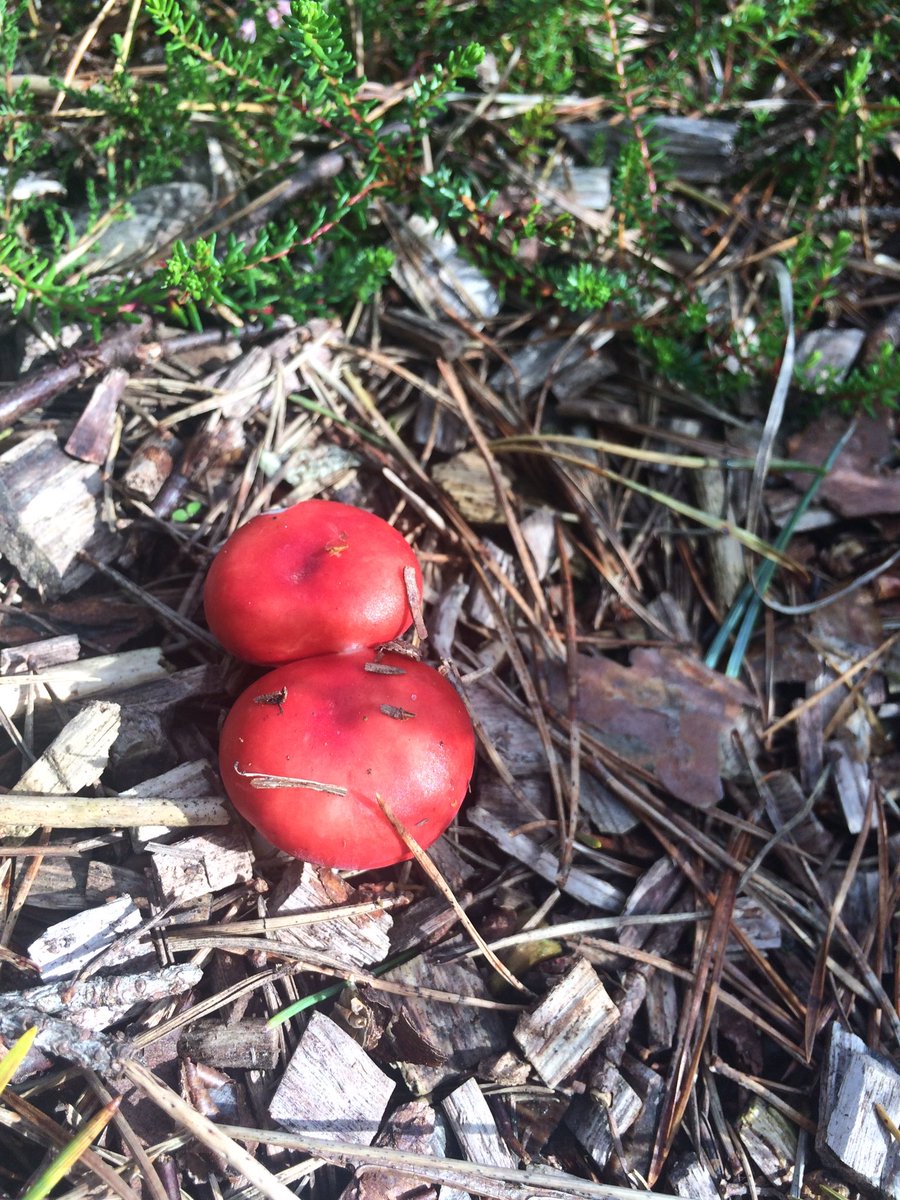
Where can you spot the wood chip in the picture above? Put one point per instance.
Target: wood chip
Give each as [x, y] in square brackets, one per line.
[75, 759]
[410, 1128]
[77, 756]
[666, 713]
[858, 485]
[467, 480]
[251, 1044]
[851, 1135]
[584, 887]
[106, 674]
[460, 1035]
[650, 1087]
[92, 437]
[70, 945]
[49, 511]
[771, 1141]
[568, 1025]
[849, 757]
[354, 941]
[151, 465]
[690, 1179]
[187, 781]
[480, 608]
[38, 656]
[606, 1110]
[474, 1127]
[193, 867]
[331, 1087]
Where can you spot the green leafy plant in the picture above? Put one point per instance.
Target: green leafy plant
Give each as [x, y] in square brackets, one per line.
[287, 98]
[278, 88]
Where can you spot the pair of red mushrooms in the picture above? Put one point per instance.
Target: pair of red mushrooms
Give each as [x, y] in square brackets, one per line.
[316, 753]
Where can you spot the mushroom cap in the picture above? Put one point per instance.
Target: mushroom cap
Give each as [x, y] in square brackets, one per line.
[319, 577]
[332, 723]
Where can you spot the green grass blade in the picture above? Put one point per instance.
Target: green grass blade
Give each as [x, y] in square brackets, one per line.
[15, 1056]
[69, 1155]
[334, 989]
[749, 601]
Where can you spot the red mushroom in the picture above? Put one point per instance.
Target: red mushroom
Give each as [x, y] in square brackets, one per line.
[317, 578]
[306, 750]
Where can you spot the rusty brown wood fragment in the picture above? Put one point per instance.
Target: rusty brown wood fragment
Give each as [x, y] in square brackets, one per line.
[92, 437]
[151, 465]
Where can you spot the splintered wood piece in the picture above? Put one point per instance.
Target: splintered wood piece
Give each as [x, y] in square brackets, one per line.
[458, 1036]
[75, 759]
[568, 1025]
[786, 802]
[606, 811]
[59, 884]
[190, 781]
[653, 893]
[49, 511]
[690, 1179]
[37, 656]
[410, 1128]
[480, 608]
[661, 1009]
[474, 1127]
[144, 746]
[71, 883]
[851, 1134]
[608, 1109]
[95, 1004]
[355, 941]
[331, 1087]
[596, 893]
[196, 866]
[94, 430]
[107, 673]
[728, 570]
[771, 1141]
[251, 1044]
[651, 1088]
[151, 465]
[850, 760]
[106, 881]
[515, 739]
[71, 944]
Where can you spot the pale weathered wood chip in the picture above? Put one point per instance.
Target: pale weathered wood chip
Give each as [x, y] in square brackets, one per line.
[568, 1024]
[331, 1087]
